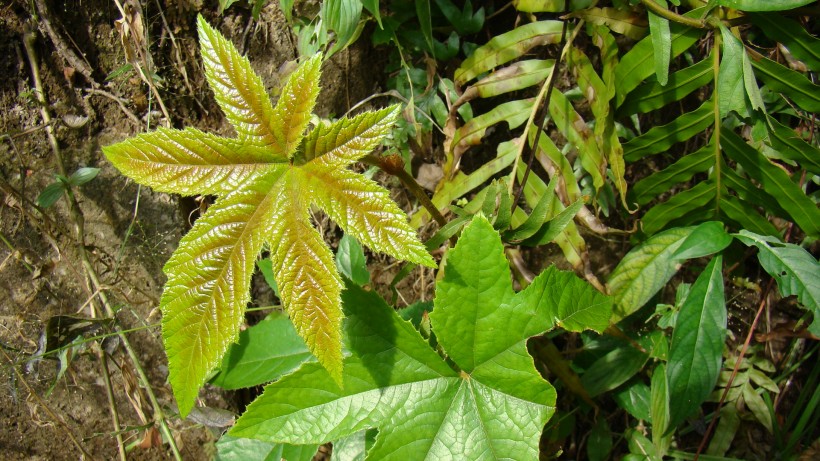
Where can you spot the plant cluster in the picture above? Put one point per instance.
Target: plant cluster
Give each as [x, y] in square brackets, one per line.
[694, 124]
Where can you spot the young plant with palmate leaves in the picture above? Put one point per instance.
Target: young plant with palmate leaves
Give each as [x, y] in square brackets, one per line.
[266, 180]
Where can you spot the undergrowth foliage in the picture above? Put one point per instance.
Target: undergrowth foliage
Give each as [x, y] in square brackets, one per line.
[713, 104]
[266, 180]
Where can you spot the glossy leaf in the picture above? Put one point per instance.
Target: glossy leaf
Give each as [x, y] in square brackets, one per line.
[793, 267]
[266, 180]
[50, 194]
[613, 369]
[707, 239]
[775, 181]
[696, 352]
[793, 84]
[263, 353]
[506, 47]
[634, 397]
[661, 43]
[661, 138]
[493, 408]
[644, 270]
[763, 5]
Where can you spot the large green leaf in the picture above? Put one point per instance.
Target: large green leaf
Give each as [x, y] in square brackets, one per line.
[775, 181]
[794, 268]
[678, 206]
[696, 351]
[266, 180]
[264, 352]
[239, 449]
[647, 267]
[493, 407]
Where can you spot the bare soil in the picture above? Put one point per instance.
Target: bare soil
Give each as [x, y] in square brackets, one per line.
[129, 232]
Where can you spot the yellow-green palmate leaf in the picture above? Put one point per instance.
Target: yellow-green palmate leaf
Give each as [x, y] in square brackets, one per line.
[266, 180]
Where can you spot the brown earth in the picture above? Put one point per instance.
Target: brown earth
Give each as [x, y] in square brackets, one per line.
[129, 232]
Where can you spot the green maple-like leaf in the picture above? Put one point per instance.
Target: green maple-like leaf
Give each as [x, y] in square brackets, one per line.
[266, 180]
[492, 407]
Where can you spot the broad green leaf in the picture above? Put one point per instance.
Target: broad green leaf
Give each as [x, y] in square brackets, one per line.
[613, 369]
[506, 47]
[775, 181]
[644, 270]
[342, 17]
[640, 447]
[372, 6]
[788, 82]
[351, 262]
[763, 5]
[621, 21]
[661, 43]
[353, 447]
[750, 193]
[793, 147]
[637, 64]
[707, 239]
[394, 381]
[793, 267]
[659, 394]
[696, 352]
[50, 194]
[240, 449]
[793, 35]
[83, 175]
[661, 138]
[264, 352]
[634, 397]
[262, 198]
[731, 88]
[652, 95]
[681, 171]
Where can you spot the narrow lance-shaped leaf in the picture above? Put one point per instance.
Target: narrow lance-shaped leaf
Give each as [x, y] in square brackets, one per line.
[262, 197]
[661, 43]
[696, 351]
[492, 409]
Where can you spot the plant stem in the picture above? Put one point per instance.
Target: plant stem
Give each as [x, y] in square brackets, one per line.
[672, 16]
[91, 274]
[410, 183]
